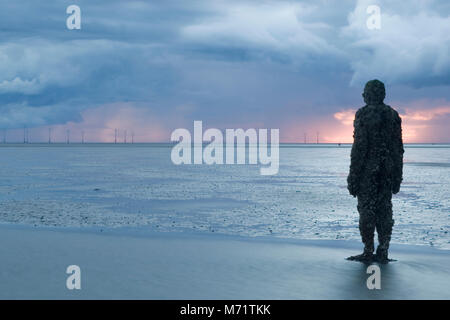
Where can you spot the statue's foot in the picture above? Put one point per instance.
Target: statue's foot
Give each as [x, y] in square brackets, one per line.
[365, 257]
[382, 257]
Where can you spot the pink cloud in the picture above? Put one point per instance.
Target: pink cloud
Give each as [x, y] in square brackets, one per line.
[345, 117]
[420, 124]
[102, 122]
[328, 129]
[98, 125]
[425, 114]
[423, 121]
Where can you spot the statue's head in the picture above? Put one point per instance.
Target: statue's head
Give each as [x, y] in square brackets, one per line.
[374, 92]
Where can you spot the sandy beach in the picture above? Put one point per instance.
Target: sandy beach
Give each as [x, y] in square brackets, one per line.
[153, 230]
[117, 265]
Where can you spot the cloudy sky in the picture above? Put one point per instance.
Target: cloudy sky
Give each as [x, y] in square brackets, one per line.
[150, 67]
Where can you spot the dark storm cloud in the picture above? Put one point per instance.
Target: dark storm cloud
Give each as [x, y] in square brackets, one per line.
[265, 61]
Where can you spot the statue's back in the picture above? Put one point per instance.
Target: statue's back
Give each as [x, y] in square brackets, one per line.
[381, 125]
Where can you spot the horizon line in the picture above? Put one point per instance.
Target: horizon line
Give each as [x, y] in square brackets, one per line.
[204, 143]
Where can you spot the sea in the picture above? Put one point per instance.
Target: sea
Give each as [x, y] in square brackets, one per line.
[96, 186]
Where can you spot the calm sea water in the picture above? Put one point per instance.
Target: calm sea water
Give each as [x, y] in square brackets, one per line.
[110, 186]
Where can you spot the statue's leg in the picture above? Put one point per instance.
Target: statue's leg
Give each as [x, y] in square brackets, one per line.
[384, 224]
[366, 209]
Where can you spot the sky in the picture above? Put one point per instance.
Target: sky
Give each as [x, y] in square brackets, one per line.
[150, 67]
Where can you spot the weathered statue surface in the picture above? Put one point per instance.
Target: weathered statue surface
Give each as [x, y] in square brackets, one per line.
[375, 170]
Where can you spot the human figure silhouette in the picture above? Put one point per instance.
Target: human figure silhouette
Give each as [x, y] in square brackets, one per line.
[375, 170]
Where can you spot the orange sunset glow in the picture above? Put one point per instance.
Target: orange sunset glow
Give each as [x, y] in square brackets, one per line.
[418, 125]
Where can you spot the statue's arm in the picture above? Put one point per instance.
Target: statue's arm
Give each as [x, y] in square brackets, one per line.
[397, 154]
[358, 154]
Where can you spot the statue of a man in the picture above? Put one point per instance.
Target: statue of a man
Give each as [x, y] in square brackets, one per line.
[375, 170]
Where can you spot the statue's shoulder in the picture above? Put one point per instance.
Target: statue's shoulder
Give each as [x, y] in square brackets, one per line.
[394, 113]
[367, 113]
[361, 111]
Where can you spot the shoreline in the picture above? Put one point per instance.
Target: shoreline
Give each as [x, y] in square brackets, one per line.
[171, 144]
[146, 232]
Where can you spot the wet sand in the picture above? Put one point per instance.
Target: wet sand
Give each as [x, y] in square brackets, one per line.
[133, 265]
